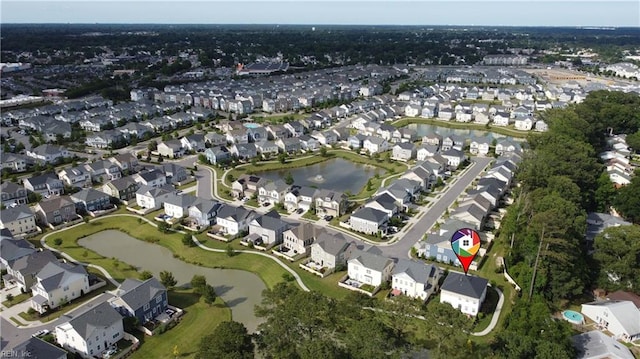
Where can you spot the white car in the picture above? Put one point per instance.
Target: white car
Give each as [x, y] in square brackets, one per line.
[40, 333]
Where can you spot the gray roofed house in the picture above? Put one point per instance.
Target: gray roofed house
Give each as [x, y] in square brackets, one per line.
[35, 348]
[91, 200]
[269, 227]
[598, 222]
[57, 283]
[597, 345]
[12, 194]
[47, 184]
[56, 210]
[24, 269]
[465, 285]
[174, 173]
[369, 268]
[471, 213]
[18, 220]
[133, 296]
[177, 206]
[100, 321]
[204, 211]
[385, 203]
[414, 279]
[12, 249]
[53, 274]
[122, 188]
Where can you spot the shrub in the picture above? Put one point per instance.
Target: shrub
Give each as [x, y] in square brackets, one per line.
[57, 242]
[287, 277]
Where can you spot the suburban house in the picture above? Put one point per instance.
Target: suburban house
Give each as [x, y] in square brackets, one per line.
[368, 220]
[217, 155]
[203, 212]
[23, 270]
[91, 200]
[233, 220]
[479, 146]
[369, 268]
[464, 292]
[18, 220]
[331, 203]
[171, 149]
[273, 192]
[356, 140]
[247, 186]
[55, 211]
[58, 283]
[470, 213]
[45, 185]
[299, 198]
[375, 144]
[331, 251]
[404, 151]
[425, 151]
[215, 139]
[266, 148]
[620, 318]
[193, 142]
[12, 194]
[177, 206]
[288, 145]
[432, 139]
[103, 171]
[414, 279]
[269, 227]
[597, 345]
[48, 154]
[174, 173]
[144, 300]
[384, 203]
[127, 162]
[13, 162]
[12, 249]
[92, 332]
[36, 348]
[153, 178]
[299, 239]
[243, 151]
[76, 176]
[123, 188]
[506, 146]
[148, 197]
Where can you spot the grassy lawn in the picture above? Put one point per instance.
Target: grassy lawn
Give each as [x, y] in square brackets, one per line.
[310, 216]
[16, 300]
[187, 185]
[200, 319]
[487, 309]
[470, 126]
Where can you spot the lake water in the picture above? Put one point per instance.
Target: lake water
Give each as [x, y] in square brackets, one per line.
[335, 174]
[241, 290]
[424, 129]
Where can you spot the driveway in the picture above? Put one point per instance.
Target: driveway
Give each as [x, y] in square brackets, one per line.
[401, 248]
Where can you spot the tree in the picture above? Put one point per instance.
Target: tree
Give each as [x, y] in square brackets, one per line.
[152, 146]
[369, 185]
[10, 297]
[282, 158]
[605, 194]
[163, 227]
[617, 250]
[229, 250]
[209, 294]
[323, 151]
[627, 201]
[167, 279]
[288, 178]
[187, 240]
[202, 158]
[230, 340]
[146, 275]
[57, 242]
[198, 283]
[633, 140]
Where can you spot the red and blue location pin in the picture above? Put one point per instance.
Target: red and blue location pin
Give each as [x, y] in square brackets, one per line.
[465, 243]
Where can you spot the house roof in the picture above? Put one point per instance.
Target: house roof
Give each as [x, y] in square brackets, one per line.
[13, 214]
[12, 249]
[123, 183]
[370, 214]
[370, 260]
[135, 293]
[183, 200]
[54, 274]
[88, 195]
[332, 244]
[10, 187]
[98, 317]
[595, 344]
[270, 220]
[33, 263]
[622, 295]
[206, 205]
[405, 145]
[624, 311]
[43, 179]
[235, 213]
[418, 271]
[170, 169]
[305, 231]
[37, 348]
[47, 149]
[55, 203]
[151, 175]
[155, 192]
[467, 285]
[385, 201]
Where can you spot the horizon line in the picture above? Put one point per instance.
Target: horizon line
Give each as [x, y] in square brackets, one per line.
[588, 27]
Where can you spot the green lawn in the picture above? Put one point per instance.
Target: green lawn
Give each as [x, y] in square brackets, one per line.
[470, 126]
[200, 319]
[16, 300]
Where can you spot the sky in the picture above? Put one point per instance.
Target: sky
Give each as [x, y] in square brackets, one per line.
[313, 12]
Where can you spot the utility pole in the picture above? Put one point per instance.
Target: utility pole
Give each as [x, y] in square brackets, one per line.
[535, 266]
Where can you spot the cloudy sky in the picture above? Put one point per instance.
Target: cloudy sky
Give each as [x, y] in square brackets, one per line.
[313, 12]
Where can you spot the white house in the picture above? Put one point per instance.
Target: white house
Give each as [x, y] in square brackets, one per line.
[233, 220]
[464, 292]
[58, 283]
[620, 317]
[18, 220]
[375, 144]
[404, 151]
[414, 279]
[150, 197]
[299, 239]
[524, 124]
[368, 220]
[330, 251]
[177, 206]
[91, 333]
[369, 268]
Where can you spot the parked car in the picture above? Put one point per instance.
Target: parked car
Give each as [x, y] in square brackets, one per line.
[299, 210]
[328, 218]
[266, 204]
[40, 333]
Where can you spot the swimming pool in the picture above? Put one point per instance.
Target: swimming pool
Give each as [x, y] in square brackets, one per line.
[251, 125]
[573, 317]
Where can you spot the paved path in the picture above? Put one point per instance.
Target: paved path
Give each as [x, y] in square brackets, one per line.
[496, 316]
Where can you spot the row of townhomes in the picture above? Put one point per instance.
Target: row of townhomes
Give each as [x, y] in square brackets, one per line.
[53, 282]
[616, 157]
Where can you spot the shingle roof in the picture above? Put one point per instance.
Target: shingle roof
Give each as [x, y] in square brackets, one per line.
[36, 349]
[135, 293]
[53, 274]
[466, 285]
[33, 263]
[595, 344]
[370, 214]
[88, 195]
[15, 213]
[417, 271]
[370, 260]
[12, 249]
[55, 203]
[332, 244]
[100, 316]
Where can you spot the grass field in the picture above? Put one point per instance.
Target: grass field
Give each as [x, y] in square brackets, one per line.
[200, 319]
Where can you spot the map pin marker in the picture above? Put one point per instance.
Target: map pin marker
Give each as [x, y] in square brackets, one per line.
[465, 243]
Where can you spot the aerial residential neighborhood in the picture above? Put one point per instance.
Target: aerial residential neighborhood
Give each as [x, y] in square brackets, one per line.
[213, 191]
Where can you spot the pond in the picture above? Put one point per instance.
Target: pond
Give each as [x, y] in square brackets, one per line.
[241, 290]
[426, 129]
[335, 174]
